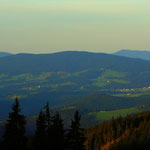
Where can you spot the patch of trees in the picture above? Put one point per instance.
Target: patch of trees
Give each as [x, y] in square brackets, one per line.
[49, 134]
[130, 132]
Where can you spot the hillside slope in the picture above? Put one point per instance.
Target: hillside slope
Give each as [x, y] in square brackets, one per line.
[69, 62]
[62, 78]
[131, 132]
[3, 54]
[134, 54]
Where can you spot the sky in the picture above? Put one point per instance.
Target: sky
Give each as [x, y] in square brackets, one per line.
[47, 26]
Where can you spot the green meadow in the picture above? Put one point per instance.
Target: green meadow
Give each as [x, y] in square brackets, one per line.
[110, 77]
[107, 115]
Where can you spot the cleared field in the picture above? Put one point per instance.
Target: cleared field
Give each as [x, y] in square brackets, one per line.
[112, 73]
[121, 81]
[107, 115]
[77, 74]
[100, 82]
[110, 76]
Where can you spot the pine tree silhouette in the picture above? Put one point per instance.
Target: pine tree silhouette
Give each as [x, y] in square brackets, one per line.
[57, 131]
[47, 115]
[75, 137]
[41, 132]
[48, 120]
[14, 134]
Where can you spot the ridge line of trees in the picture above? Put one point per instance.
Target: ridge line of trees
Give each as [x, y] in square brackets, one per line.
[49, 135]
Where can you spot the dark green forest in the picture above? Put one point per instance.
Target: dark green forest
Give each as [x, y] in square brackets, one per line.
[129, 133]
[50, 132]
[121, 133]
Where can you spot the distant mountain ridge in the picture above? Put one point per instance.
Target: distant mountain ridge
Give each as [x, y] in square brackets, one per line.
[3, 54]
[134, 54]
[69, 61]
[63, 77]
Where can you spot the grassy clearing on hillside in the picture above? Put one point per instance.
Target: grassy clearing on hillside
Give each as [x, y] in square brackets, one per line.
[121, 81]
[100, 82]
[112, 73]
[3, 75]
[18, 77]
[128, 95]
[77, 74]
[110, 76]
[107, 115]
[30, 77]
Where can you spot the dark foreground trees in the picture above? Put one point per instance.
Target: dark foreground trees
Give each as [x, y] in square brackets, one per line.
[14, 134]
[130, 132]
[49, 131]
[41, 133]
[75, 137]
[58, 133]
[49, 135]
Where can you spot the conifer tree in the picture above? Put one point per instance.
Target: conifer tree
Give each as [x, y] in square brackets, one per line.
[75, 137]
[49, 131]
[47, 115]
[57, 129]
[41, 132]
[48, 119]
[14, 134]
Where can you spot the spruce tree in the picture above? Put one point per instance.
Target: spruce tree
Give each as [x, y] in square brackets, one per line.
[75, 137]
[47, 115]
[14, 134]
[57, 131]
[41, 132]
[48, 120]
[49, 131]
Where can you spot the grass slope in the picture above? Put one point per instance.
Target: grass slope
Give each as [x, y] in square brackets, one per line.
[107, 115]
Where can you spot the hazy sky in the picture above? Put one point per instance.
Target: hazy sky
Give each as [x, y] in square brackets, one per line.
[42, 26]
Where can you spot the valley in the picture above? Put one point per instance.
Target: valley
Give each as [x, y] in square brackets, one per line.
[100, 85]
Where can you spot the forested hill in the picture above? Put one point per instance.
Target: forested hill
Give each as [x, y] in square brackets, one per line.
[134, 54]
[3, 54]
[129, 133]
[64, 77]
[69, 62]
